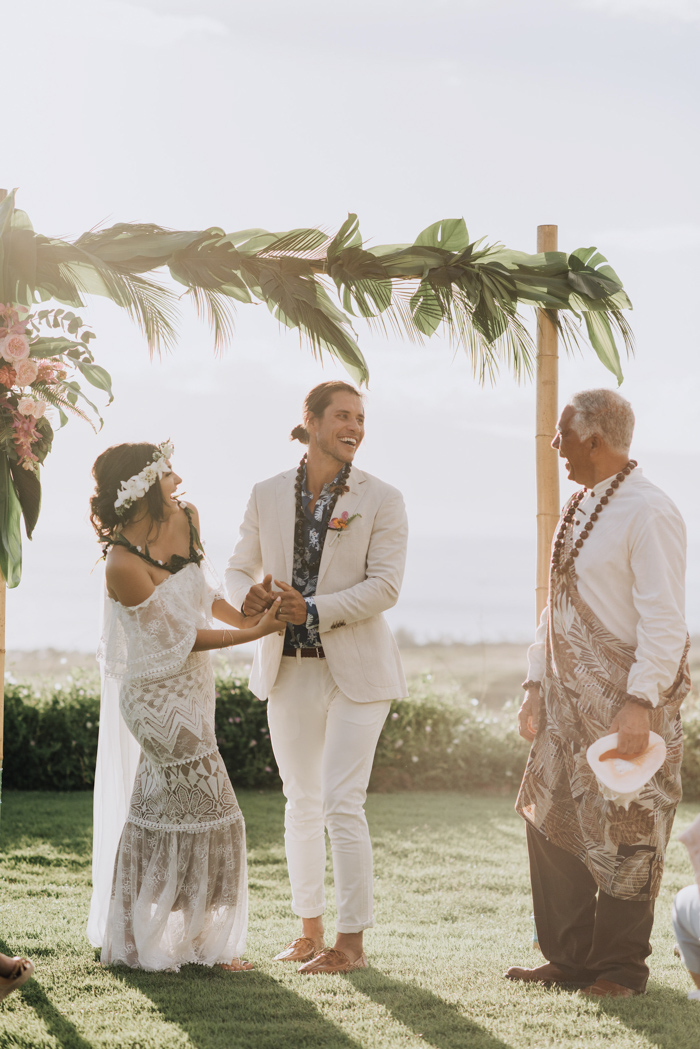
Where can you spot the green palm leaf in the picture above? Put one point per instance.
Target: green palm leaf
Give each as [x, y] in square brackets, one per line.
[443, 281]
[10, 534]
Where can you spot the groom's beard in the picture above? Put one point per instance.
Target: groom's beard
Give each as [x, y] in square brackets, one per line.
[341, 453]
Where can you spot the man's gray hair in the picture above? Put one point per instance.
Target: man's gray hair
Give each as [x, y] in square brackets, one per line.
[606, 413]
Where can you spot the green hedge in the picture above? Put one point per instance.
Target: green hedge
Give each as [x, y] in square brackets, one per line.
[51, 735]
[429, 742]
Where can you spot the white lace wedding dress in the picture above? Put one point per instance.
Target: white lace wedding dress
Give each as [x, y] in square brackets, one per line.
[169, 865]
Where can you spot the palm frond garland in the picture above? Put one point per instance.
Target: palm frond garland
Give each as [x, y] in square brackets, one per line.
[441, 282]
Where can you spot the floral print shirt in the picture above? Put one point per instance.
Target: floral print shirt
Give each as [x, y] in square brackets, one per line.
[306, 566]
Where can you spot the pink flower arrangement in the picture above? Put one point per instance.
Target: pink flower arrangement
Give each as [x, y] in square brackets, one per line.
[50, 371]
[24, 436]
[14, 325]
[8, 376]
[14, 347]
[27, 372]
[26, 406]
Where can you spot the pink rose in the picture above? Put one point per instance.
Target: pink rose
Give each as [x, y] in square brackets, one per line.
[27, 371]
[15, 348]
[39, 409]
[26, 406]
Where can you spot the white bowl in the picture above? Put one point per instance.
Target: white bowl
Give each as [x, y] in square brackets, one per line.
[621, 779]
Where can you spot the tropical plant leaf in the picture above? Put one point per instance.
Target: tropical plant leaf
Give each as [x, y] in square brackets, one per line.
[10, 534]
[348, 236]
[96, 376]
[48, 347]
[603, 342]
[28, 489]
[65, 401]
[217, 310]
[448, 234]
[426, 309]
[441, 282]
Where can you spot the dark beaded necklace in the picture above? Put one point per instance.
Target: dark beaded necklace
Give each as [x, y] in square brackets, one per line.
[337, 489]
[559, 542]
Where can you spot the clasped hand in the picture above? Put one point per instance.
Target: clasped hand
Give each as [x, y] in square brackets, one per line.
[260, 597]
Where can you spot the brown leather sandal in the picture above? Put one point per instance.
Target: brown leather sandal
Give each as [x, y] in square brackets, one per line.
[332, 960]
[303, 949]
[236, 966]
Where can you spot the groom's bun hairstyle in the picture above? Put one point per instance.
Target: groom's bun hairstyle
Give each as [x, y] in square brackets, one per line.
[114, 465]
[316, 402]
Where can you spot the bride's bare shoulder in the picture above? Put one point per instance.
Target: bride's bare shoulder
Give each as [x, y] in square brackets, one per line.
[127, 577]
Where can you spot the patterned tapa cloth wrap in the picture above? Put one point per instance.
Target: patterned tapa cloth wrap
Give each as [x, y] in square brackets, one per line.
[583, 689]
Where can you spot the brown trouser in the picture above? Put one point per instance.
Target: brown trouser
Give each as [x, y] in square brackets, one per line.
[583, 931]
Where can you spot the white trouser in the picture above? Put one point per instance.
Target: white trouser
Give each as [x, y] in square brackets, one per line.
[324, 744]
[686, 925]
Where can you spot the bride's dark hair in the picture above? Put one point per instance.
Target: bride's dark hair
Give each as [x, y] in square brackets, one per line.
[114, 465]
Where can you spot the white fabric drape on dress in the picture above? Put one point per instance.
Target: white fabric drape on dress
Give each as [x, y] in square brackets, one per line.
[169, 865]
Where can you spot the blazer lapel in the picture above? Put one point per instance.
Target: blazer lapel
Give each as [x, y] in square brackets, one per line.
[348, 501]
[286, 519]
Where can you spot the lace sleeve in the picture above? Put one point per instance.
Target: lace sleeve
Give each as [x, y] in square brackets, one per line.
[154, 638]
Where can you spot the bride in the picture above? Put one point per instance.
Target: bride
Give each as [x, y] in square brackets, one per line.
[169, 862]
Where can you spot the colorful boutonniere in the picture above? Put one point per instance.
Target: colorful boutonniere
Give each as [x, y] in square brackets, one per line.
[339, 524]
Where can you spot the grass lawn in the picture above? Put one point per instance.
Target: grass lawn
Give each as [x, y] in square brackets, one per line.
[453, 911]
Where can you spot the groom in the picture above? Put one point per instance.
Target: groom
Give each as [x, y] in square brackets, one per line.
[338, 536]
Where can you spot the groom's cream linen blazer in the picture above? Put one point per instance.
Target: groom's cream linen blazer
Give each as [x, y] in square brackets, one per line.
[359, 578]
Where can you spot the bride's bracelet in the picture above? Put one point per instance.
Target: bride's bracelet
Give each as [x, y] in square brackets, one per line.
[227, 644]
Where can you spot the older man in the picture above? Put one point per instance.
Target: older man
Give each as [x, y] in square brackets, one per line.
[610, 655]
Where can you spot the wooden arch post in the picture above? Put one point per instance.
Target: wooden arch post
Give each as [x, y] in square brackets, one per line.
[547, 368]
[3, 593]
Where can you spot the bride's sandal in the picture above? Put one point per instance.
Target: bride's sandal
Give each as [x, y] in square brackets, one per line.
[236, 966]
[21, 972]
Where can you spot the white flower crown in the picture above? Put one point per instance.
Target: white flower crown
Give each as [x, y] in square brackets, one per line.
[136, 487]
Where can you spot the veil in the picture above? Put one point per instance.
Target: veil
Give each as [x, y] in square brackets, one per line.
[115, 771]
[141, 643]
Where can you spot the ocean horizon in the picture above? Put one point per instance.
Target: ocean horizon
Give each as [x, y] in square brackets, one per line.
[464, 590]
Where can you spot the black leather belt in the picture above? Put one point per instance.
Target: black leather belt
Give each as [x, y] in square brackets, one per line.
[305, 653]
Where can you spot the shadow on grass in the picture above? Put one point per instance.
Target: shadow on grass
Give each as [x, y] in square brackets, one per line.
[220, 1010]
[67, 1036]
[664, 1017]
[437, 1022]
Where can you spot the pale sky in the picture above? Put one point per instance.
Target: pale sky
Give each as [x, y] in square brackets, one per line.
[512, 114]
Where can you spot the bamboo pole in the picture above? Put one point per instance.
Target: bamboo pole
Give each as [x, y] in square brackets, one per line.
[3, 594]
[548, 505]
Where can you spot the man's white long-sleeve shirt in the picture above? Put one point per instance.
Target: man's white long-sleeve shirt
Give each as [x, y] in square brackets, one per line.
[631, 573]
